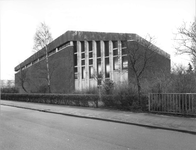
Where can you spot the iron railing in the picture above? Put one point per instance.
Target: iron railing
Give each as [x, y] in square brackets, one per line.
[177, 103]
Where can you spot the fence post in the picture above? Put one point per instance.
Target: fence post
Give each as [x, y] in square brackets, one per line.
[149, 102]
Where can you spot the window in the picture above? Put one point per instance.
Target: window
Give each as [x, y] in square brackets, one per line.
[91, 72]
[106, 46]
[115, 44]
[90, 61]
[83, 62]
[124, 51]
[82, 46]
[99, 66]
[115, 63]
[124, 55]
[83, 59]
[75, 60]
[42, 57]
[64, 46]
[98, 49]
[124, 62]
[90, 43]
[115, 52]
[107, 68]
[83, 73]
[83, 55]
[123, 44]
[51, 52]
[75, 46]
[90, 54]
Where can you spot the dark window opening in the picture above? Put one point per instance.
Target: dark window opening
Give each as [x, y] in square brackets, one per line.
[107, 68]
[82, 46]
[91, 72]
[99, 66]
[90, 62]
[115, 44]
[83, 62]
[83, 55]
[90, 54]
[64, 46]
[75, 46]
[75, 69]
[98, 49]
[90, 45]
[124, 62]
[115, 52]
[115, 63]
[83, 73]
[123, 44]
[52, 52]
[124, 51]
[75, 60]
[75, 75]
[106, 45]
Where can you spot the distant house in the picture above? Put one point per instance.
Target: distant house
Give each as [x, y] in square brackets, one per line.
[75, 57]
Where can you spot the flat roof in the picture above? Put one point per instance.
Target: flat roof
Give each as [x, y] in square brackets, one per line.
[87, 36]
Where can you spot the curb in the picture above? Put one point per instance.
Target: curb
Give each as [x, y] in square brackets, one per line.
[103, 119]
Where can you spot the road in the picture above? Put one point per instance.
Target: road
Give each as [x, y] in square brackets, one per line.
[22, 129]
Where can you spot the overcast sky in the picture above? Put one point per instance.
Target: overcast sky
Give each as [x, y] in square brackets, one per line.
[20, 18]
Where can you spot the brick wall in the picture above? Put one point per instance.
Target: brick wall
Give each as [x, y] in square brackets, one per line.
[61, 73]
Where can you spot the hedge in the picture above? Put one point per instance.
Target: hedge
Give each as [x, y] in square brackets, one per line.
[60, 99]
[123, 102]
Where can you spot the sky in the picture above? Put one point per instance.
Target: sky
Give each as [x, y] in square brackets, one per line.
[20, 18]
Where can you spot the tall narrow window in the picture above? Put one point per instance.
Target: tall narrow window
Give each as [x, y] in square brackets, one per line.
[99, 66]
[115, 55]
[106, 46]
[107, 68]
[123, 44]
[75, 46]
[98, 49]
[115, 63]
[75, 60]
[82, 46]
[83, 58]
[115, 44]
[124, 55]
[83, 73]
[90, 43]
[91, 72]
[124, 62]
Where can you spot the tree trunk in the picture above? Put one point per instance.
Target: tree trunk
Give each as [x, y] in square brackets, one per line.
[24, 88]
[138, 89]
[48, 70]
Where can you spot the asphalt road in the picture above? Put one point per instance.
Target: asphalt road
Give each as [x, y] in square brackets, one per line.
[22, 129]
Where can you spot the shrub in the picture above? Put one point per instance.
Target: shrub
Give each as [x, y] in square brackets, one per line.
[61, 99]
[9, 90]
[125, 97]
[108, 87]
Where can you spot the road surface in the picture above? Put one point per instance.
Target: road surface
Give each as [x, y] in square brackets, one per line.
[22, 129]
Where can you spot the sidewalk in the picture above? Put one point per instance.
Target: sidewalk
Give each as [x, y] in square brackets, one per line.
[187, 125]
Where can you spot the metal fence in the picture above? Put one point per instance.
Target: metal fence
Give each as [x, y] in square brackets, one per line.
[177, 103]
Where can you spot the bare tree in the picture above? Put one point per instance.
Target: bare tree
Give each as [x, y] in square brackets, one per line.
[139, 54]
[41, 40]
[186, 40]
[23, 79]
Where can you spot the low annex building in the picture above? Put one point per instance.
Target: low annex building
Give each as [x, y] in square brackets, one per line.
[76, 57]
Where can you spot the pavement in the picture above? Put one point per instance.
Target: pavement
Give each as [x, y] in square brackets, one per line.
[156, 121]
